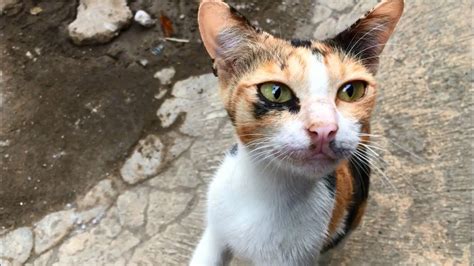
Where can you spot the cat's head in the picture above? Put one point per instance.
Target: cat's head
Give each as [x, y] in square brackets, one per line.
[303, 105]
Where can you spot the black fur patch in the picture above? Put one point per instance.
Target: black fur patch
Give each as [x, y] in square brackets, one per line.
[360, 170]
[214, 70]
[316, 51]
[231, 116]
[233, 151]
[263, 106]
[237, 15]
[331, 182]
[361, 41]
[301, 43]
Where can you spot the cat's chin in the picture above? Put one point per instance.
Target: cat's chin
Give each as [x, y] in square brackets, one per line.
[309, 164]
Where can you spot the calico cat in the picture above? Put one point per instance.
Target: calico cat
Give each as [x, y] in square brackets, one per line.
[297, 181]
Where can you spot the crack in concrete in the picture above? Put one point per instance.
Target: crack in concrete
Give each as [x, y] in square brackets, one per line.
[185, 213]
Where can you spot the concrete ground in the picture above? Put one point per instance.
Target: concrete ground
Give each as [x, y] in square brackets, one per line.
[104, 164]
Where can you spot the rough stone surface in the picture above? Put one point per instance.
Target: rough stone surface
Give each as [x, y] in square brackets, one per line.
[16, 245]
[98, 21]
[52, 228]
[101, 194]
[131, 206]
[93, 206]
[320, 13]
[191, 94]
[43, 260]
[6, 5]
[163, 249]
[180, 174]
[165, 207]
[103, 244]
[165, 75]
[323, 32]
[6, 262]
[145, 161]
[178, 143]
[339, 5]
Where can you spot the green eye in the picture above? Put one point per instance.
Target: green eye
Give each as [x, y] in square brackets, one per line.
[276, 92]
[351, 91]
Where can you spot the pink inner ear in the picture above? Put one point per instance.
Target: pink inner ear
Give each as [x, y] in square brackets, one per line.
[213, 17]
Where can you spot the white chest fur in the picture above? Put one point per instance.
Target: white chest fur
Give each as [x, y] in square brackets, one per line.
[267, 219]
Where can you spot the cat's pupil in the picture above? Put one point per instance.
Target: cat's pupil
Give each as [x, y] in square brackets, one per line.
[276, 91]
[349, 89]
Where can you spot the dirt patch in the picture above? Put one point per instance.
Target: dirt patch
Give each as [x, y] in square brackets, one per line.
[70, 115]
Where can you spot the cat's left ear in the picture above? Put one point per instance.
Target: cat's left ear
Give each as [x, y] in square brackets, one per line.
[224, 31]
[366, 38]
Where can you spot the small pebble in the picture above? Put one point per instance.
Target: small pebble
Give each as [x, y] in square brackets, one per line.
[35, 10]
[144, 19]
[143, 62]
[4, 143]
[165, 75]
[160, 95]
[29, 55]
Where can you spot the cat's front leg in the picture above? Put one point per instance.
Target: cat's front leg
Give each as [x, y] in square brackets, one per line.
[210, 251]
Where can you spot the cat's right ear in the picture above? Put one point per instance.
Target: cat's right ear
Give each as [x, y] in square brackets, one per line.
[367, 37]
[223, 30]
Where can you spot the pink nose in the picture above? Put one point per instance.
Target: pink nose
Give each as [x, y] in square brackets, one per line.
[322, 134]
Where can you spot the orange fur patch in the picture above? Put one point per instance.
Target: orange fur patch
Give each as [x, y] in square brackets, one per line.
[343, 196]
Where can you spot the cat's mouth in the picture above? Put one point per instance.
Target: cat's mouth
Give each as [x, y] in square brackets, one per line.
[327, 155]
[310, 155]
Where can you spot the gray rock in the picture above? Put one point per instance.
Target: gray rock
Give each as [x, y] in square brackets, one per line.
[105, 244]
[17, 245]
[9, 6]
[158, 96]
[320, 13]
[164, 207]
[165, 75]
[131, 207]
[43, 260]
[145, 161]
[182, 173]
[339, 5]
[5, 262]
[194, 93]
[52, 228]
[101, 194]
[99, 21]
[325, 29]
[177, 144]
[164, 249]
[144, 19]
[93, 206]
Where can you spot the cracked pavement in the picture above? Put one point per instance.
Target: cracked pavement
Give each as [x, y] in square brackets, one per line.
[139, 199]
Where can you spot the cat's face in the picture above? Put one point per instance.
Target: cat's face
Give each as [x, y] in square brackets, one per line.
[299, 105]
[305, 107]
